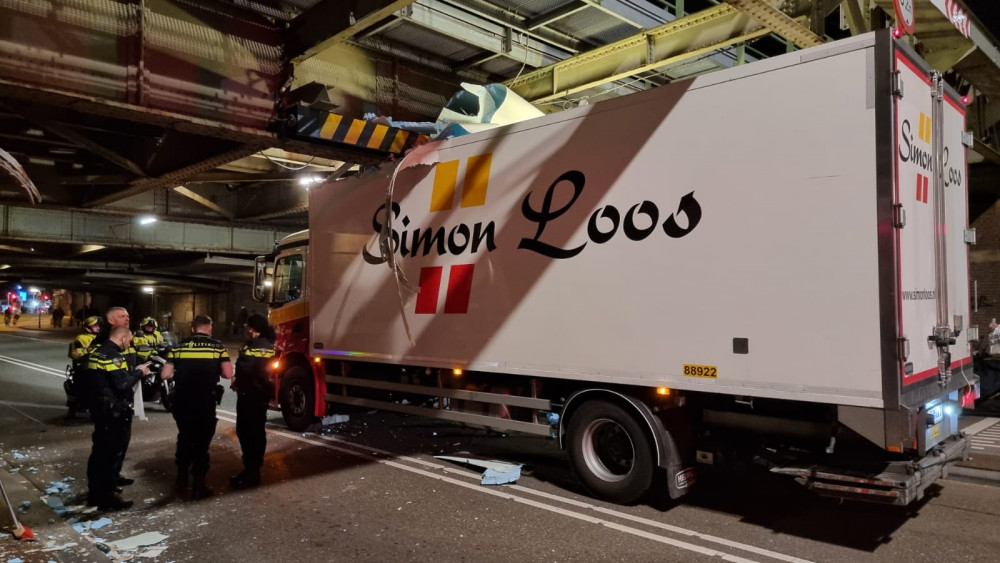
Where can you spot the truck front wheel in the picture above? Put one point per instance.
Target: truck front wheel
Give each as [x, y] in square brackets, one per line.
[298, 397]
[610, 452]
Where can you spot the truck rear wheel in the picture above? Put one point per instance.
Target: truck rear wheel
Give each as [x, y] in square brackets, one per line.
[610, 452]
[297, 397]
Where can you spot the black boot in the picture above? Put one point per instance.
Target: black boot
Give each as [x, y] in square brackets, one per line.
[113, 502]
[182, 480]
[245, 479]
[199, 490]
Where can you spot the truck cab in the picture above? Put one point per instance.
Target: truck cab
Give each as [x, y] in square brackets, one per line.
[280, 281]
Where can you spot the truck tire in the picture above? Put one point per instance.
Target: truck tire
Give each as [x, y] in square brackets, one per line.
[297, 396]
[610, 452]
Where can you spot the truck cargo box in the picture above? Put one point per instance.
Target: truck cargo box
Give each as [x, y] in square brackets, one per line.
[792, 229]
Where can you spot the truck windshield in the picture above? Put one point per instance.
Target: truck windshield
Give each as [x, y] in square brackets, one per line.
[288, 278]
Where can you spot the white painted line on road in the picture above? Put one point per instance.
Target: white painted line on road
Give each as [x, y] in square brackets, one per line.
[19, 411]
[374, 452]
[38, 339]
[32, 405]
[977, 448]
[497, 493]
[981, 425]
[37, 367]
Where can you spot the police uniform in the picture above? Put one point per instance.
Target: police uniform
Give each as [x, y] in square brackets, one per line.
[111, 411]
[131, 358]
[253, 393]
[151, 340]
[197, 364]
[78, 394]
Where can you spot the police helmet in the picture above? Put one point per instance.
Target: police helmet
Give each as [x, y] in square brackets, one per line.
[92, 322]
[149, 322]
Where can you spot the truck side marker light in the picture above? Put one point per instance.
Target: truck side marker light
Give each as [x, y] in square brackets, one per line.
[663, 391]
[276, 364]
[456, 371]
[318, 359]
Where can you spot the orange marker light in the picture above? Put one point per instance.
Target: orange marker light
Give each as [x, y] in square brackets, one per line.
[663, 391]
[317, 359]
[456, 371]
[276, 364]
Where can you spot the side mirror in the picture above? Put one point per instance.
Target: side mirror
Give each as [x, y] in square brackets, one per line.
[262, 278]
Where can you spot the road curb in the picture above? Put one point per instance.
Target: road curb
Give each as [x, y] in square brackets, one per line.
[50, 529]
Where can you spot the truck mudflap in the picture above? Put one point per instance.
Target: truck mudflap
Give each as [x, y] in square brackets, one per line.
[895, 482]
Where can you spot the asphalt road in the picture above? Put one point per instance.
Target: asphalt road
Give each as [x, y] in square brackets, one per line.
[371, 490]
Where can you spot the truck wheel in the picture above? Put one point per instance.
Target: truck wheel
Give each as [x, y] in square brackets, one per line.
[297, 397]
[610, 452]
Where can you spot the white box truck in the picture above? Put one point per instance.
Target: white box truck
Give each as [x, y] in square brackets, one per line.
[768, 261]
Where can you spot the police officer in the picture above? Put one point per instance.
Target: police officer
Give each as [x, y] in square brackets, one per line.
[253, 393]
[78, 394]
[195, 365]
[117, 317]
[111, 412]
[148, 337]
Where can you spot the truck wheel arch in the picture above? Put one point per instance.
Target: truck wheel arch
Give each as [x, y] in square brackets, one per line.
[666, 453]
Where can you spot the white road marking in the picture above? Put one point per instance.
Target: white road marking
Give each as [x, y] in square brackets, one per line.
[17, 410]
[32, 405]
[377, 456]
[38, 339]
[37, 367]
[981, 425]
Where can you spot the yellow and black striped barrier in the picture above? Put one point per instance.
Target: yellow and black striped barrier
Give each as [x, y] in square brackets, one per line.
[324, 125]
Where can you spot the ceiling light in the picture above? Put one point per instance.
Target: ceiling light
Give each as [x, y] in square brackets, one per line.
[147, 220]
[4, 266]
[147, 289]
[309, 179]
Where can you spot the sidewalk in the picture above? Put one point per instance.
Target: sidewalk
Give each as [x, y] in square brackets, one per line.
[55, 539]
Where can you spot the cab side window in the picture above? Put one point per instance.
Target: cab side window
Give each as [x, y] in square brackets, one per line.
[288, 273]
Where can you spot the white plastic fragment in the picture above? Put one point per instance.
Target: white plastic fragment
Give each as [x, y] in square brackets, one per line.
[140, 540]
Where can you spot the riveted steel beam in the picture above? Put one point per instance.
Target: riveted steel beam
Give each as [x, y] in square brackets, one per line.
[203, 201]
[85, 227]
[683, 38]
[177, 176]
[334, 21]
[778, 22]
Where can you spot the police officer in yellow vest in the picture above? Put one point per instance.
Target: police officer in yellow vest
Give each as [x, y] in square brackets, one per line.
[149, 337]
[195, 365]
[113, 379]
[253, 392]
[78, 394]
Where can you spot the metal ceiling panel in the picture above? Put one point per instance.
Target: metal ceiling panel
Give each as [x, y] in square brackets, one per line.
[594, 25]
[430, 41]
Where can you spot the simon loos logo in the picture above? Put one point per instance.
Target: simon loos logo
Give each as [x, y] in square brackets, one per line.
[637, 223]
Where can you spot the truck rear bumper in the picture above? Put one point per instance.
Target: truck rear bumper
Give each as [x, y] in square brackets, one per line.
[895, 482]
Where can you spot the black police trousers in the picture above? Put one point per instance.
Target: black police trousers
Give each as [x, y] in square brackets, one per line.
[110, 439]
[251, 416]
[194, 435]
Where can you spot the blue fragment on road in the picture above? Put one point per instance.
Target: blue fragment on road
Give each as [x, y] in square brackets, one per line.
[100, 523]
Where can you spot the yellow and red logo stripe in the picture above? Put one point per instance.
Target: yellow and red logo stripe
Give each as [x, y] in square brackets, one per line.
[474, 189]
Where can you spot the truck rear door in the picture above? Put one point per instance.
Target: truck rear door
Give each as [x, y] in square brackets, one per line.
[929, 138]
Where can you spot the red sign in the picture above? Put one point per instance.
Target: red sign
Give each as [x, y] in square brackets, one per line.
[905, 16]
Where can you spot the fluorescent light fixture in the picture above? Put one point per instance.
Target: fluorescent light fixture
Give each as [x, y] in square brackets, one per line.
[309, 179]
[4, 266]
[268, 283]
[147, 220]
[90, 248]
[147, 289]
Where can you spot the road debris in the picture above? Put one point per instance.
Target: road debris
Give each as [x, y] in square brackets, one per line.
[137, 541]
[495, 472]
